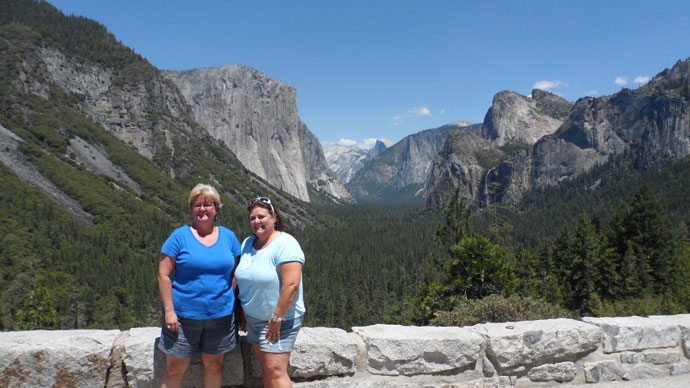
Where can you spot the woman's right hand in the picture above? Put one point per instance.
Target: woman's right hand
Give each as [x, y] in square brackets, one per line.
[171, 321]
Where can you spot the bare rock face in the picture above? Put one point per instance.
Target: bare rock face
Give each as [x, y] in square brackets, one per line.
[319, 177]
[514, 118]
[472, 161]
[596, 129]
[256, 117]
[458, 165]
[345, 161]
[123, 108]
[401, 167]
[654, 119]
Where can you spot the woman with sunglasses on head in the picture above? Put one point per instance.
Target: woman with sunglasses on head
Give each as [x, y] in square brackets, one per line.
[269, 279]
[195, 283]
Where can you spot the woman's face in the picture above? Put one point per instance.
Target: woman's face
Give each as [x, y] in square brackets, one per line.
[261, 221]
[203, 209]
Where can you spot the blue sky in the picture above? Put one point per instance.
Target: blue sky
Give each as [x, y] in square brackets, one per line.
[387, 69]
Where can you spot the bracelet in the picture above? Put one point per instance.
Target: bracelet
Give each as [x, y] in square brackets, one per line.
[276, 318]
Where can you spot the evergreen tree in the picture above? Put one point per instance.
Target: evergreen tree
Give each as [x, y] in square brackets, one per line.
[585, 254]
[471, 266]
[648, 228]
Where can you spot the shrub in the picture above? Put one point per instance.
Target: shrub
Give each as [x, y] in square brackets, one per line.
[497, 308]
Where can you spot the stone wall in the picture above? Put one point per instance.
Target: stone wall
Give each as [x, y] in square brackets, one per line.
[514, 354]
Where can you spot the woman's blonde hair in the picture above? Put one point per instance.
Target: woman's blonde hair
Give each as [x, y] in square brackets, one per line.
[208, 191]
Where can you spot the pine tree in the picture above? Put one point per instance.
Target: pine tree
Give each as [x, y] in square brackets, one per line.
[648, 228]
[585, 254]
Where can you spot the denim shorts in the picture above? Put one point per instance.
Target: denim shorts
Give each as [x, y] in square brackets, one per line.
[211, 336]
[256, 334]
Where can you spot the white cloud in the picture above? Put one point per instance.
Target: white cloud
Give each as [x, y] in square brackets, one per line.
[591, 93]
[442, 111]
[347, 142]
[368, 143]
[421, 111]
[621, 81]
[641, 80]
[547, 85]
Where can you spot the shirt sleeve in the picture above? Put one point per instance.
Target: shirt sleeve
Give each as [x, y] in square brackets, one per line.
[289, 251]
[172, 245]
[235, 244]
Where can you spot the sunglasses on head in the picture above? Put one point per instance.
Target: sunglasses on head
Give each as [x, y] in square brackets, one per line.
[263, 200]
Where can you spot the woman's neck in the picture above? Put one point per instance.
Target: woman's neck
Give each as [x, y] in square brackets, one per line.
[203, 229]
[261, 243]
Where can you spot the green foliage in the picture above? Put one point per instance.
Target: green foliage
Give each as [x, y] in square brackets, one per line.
[626, 266]
[497, 308]
[665, 304]
[37, 311]
[364, 267]
[469, 265]
[77, 35]
[96, 266]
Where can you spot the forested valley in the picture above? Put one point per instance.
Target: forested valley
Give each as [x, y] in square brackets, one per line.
[614, 248]
[374, 263]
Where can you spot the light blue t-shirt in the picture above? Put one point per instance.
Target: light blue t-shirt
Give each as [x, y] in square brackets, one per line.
[259, 279]
[201, 287]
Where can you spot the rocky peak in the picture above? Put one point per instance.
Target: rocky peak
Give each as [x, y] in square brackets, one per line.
[514, 118]
[345, 161]
[597, 128]
[378, 148]
[674, 80]
[462, 123]
[551, 104]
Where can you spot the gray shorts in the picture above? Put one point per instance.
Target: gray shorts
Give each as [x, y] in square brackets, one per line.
[256, 334]
[211, 336]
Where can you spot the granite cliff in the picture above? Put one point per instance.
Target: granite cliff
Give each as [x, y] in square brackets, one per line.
[513, 118]
[535, 143]
[256, 117]
[654, 121]
[251, 114]
[513, 122]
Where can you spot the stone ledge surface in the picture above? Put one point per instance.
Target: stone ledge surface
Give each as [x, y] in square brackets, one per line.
[494, 355]
[514, 347]
[64, 358]
[636, 333]
[410, 350]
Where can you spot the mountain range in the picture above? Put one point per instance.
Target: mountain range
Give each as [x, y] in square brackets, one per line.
[531, 142]
[653, 120]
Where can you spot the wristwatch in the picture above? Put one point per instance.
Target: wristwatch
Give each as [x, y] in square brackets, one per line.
[276, 318]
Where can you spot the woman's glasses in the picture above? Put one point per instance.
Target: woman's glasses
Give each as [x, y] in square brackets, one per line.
[264, 200]
[204, 205]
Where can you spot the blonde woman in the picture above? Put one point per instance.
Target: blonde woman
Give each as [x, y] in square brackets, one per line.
[195, 283]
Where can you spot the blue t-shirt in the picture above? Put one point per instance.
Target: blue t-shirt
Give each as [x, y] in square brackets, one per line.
[259, 279]
[201, 287]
